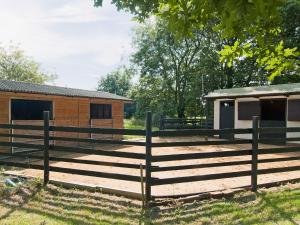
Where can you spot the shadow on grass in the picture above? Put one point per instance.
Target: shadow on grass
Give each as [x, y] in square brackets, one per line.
[82, 207]
[26, 197]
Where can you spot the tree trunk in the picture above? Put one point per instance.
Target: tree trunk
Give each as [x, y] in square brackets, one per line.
[181, 105]
[229, 75]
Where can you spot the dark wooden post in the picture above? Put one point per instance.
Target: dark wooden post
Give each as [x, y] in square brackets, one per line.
[161, 122]
[255, 121]
[148, 156]
[46, 147]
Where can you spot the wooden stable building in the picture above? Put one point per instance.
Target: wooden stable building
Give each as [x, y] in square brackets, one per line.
[276, 105]
[24, 103]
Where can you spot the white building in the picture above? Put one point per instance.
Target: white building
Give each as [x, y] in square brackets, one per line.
[276, 105]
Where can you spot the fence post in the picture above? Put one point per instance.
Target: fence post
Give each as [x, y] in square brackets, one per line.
[46, 147]
[148, 156]
[161, 122]
[255, 120]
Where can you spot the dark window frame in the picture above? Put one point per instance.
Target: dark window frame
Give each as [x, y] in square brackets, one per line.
[293, 109]
[248, 109]
[30, 109]
[100, 111]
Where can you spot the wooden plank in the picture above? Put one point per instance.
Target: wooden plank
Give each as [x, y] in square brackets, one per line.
[194, 132]
[21, 127]
[21, 145]
[97, 163]
[23, 136]
[221, 164]
[278, 170]
[279, 129]
[200, 155]
[98, 152]
[199, 166]
[22, 155]
[199, 143]
[97, 141]
[293, 139]
[279, 150]
[98, 130]
[95, 174]
[22, 165]
[177, 180]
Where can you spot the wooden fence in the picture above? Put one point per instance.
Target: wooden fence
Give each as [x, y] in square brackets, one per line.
[150, 180]
[184, 123]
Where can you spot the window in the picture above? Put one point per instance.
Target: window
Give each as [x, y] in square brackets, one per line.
[22, 109]
[100, 111]
[294, 109]
[246, 110]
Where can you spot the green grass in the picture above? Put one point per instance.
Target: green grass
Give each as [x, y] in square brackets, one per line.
[32, 204]
[135, 124]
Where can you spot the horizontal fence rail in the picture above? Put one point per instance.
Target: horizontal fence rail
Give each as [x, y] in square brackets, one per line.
[98, 130]
[196, 132]
[95, 174]
[200, 155]
[221, 164]
[98, 152]
[199, 143]
[21, 127]
[177, 180]
[98, 141]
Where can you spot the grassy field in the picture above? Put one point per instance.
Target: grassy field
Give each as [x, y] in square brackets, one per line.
[31, 204]
[135, 124]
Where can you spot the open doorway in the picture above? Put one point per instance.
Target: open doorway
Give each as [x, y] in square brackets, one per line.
[273, 114]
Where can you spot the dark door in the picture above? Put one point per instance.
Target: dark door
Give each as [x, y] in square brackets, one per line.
[273, 114]
[226, 117]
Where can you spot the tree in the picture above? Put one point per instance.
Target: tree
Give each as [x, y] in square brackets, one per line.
[256, 24]
[16, 66]
[117, 82]
[175, 73]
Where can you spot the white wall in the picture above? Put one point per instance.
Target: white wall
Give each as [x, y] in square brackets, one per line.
[248, 123]
[217, 114]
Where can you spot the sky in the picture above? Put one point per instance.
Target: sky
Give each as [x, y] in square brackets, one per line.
[69, 38]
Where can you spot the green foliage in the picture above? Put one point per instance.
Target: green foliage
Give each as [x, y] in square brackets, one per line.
[117, 82]
[176, 73]
[263, 23]
[234, 17]
[16, 66]
[277, 53]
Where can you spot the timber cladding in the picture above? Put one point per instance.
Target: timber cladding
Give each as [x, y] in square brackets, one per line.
[67, 111]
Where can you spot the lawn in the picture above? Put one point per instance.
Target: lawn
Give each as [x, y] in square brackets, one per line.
[31, 204]
[135, 124]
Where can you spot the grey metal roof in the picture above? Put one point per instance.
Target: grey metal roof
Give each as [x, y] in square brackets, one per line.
[24, 87]
[280, 89]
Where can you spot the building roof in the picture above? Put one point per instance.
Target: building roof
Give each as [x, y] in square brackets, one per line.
[271, 90]
[24, 87]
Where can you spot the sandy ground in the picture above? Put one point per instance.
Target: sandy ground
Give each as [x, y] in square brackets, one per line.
[176, 189]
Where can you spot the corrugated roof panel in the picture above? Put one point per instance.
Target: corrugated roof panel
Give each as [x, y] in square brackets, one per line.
[24, 87]
[256, 91]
